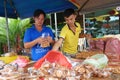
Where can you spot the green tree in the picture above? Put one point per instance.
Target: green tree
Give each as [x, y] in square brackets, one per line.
[17, 28]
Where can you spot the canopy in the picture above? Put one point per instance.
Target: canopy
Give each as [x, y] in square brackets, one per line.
[25, 8]
[94, 5]
[10, 11]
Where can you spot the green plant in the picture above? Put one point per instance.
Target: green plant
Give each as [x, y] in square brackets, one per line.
[16, 32]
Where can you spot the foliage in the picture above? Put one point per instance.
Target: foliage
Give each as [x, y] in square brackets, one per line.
[16, 30]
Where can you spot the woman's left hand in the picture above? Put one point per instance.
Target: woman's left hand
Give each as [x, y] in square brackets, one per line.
[49, 39]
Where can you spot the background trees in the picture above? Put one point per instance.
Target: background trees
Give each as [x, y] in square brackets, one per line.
[16, 32]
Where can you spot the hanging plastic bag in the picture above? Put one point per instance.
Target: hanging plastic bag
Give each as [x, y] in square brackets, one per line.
[98, 60]
[53, 56]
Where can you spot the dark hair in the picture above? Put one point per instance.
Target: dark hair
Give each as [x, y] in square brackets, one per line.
[68, 12]
[37, 12]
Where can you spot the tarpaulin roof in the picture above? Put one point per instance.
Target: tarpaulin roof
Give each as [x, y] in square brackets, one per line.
[94, 8]
[25, 8]
[10, 11]
[94, 5]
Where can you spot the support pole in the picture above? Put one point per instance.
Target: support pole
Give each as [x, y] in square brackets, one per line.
[56, 29]
[119, 23]
[85, 41]
[50, 20]
[7, 28]
[84, 23]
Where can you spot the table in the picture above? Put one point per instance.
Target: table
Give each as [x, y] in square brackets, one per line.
[112, 77]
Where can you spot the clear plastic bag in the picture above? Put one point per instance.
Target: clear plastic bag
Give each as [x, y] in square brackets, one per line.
[98, 60]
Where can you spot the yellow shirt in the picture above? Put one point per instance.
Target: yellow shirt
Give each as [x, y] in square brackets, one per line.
[70, 39]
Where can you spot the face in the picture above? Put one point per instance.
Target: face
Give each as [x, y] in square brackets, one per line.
[39, 20]
[70, 20]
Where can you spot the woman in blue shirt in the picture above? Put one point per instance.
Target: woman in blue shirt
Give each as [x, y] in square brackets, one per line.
[39, 37]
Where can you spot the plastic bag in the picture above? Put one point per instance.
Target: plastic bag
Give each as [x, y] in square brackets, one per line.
[92, 44]
[98, 60]
[100, 44]
[53, 56]
[113, 46]
[8, 59]
[22, 61]
[112, 49]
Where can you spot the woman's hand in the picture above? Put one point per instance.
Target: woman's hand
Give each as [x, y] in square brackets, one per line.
[49, 39]
[39, 40]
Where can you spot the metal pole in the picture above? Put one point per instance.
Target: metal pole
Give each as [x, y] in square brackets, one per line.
[84, 23]
[50, 20]
[85, 41]
[56, 29]
[119, 23]
[7, 28]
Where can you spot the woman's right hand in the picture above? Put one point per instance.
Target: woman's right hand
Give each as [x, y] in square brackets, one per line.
[40, 40]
